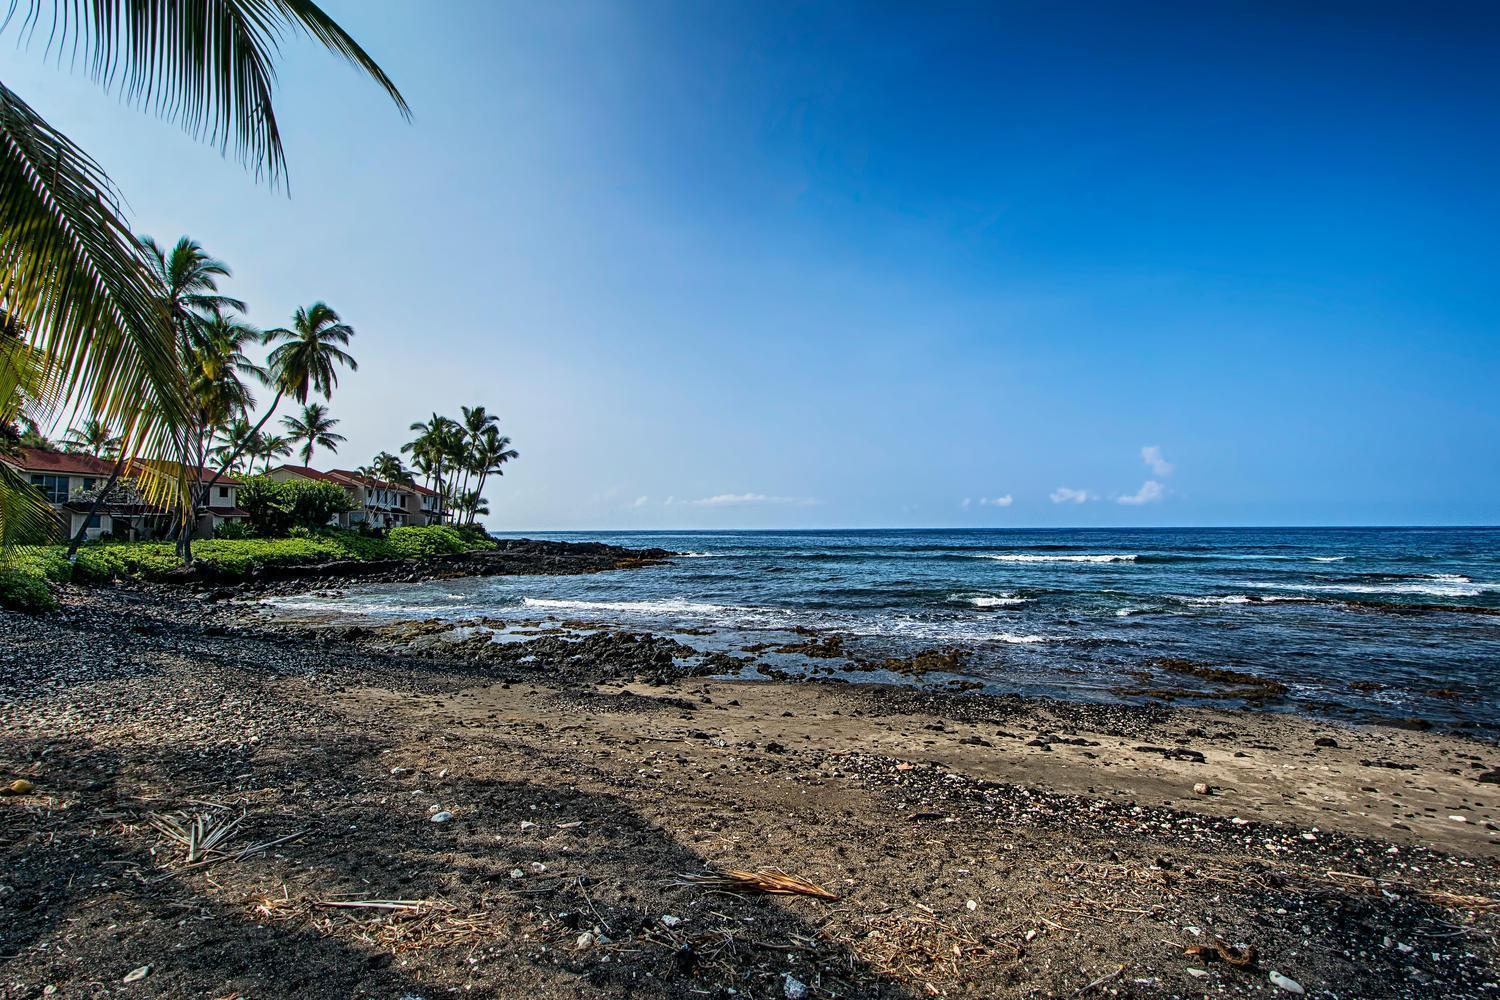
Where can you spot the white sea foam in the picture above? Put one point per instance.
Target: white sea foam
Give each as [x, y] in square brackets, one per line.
[1219, 599]
[1440, 585]
[696, 555]
[668, 607]
[1030, 557]
[368, 608]
[1328, 558]
[988, 600]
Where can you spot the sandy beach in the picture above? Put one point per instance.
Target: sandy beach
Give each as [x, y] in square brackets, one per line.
[528, 824]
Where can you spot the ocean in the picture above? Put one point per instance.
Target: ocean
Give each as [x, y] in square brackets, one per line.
[1357, 623]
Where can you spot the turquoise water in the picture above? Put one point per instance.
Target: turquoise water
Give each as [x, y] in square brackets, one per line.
[1064, 612]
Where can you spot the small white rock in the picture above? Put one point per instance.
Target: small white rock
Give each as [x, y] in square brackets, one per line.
[1283, 983]
[585, 939]
[442, 816]
[516, 873]
[793, 988]
[1197, 973]
[972, 905]
[527, 824]
[669, 920]
[136, 975]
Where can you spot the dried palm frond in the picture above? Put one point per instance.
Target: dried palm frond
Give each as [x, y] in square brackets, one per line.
[769, 881]
[201, 836]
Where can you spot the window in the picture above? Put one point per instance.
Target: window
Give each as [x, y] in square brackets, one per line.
[93, 522]
[223, 492]
[54, 488]
[89, 482]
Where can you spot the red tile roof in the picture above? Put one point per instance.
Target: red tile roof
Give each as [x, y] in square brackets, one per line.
[61, 463]
[171, 469]
[305, 472]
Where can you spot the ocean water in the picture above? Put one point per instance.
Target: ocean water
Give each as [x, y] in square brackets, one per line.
[1357, 623]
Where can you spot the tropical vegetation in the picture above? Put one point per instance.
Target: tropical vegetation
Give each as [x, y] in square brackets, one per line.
[126, 332]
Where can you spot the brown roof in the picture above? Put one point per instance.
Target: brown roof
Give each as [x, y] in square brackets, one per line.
[305, 472]
[360, 477]
[350, 477]
[61, 463]
[171, 468]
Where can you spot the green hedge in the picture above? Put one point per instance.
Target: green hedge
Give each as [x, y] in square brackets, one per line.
[25, 571]
[24, 591]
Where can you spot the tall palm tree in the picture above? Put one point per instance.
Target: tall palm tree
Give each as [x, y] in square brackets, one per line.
[218, 370]
[475, 421]
[314, 428]
[92, 437]
[74, 277]
[188, 282]
[233, 434]
[437, 443]
[490, 453]
[306, 360]
[274, 446]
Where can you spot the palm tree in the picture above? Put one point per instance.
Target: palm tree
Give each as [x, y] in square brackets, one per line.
[92, 437]
[489, 454]
[388, 467]
[74, 278]
[476, 420]
[274, 446]
[217, 369]
[188, 279]
[437, 442]
[307, 359]
[233, 434]
[314, 429]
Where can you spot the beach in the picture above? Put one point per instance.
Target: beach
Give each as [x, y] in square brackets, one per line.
[525, 818]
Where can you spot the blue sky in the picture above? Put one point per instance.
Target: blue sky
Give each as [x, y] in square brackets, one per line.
[782, 265]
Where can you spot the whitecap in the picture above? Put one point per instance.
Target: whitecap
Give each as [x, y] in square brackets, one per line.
[987, 600]
[1433, 587]
[1029, 557]
[1327, 559]
[668, 607]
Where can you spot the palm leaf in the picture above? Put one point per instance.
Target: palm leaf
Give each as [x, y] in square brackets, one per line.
[207, 66]
[75, 279]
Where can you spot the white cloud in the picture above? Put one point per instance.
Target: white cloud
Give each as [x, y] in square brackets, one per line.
[1152, 456]
[1150, 492]
[640, 501]
[967, 502]
[1065, 494]
[1004, 501]
[742, 499]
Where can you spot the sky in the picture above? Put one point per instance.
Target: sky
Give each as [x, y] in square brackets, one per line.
[786, 265]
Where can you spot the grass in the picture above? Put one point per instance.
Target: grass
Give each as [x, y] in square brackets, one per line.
[26, 572]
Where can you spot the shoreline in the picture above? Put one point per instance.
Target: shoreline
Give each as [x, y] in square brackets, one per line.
[1074, 829]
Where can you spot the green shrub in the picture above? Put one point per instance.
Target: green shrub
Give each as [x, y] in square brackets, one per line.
[24, 591]
[232, 530]
[101, 561]
[276, 508]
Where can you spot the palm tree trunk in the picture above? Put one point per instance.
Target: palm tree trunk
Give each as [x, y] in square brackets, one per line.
[109, 484]
[245, 441]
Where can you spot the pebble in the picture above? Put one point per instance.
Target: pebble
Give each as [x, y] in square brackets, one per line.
[442, 816]
[793, 988]
[1283, 983]
[670, 920]
[137, 974]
